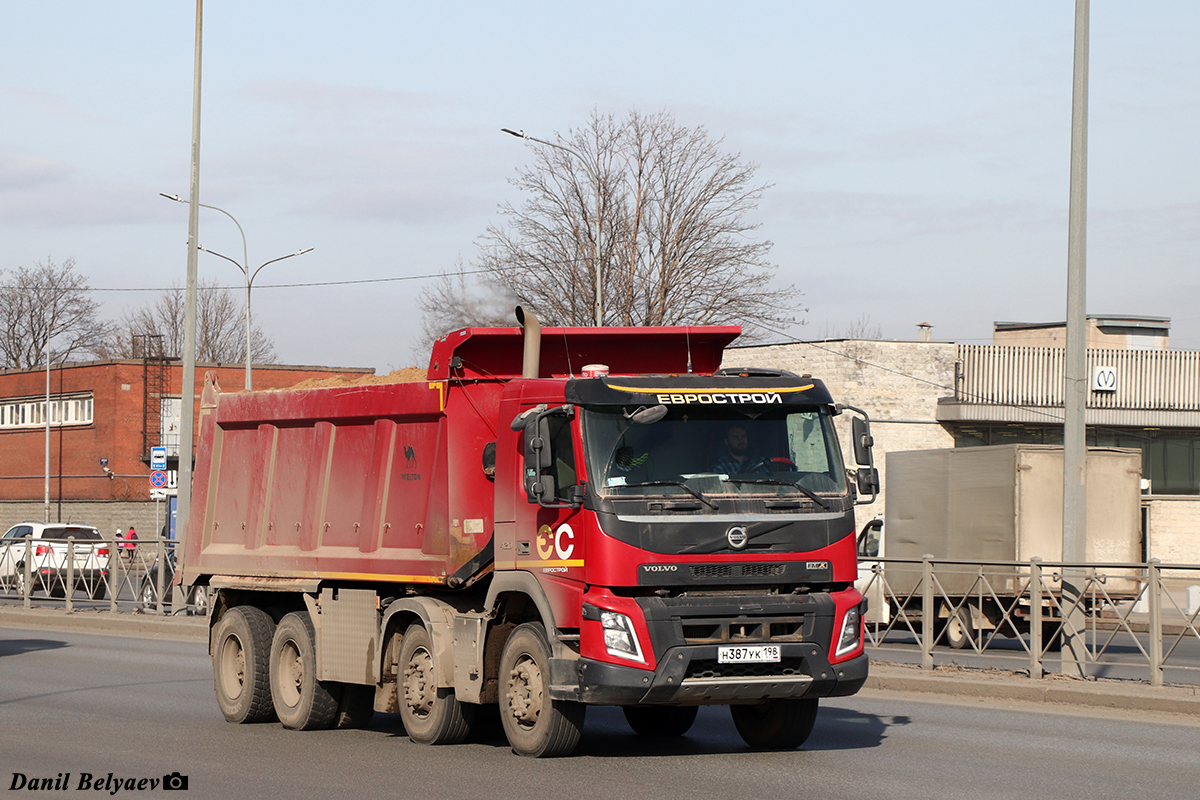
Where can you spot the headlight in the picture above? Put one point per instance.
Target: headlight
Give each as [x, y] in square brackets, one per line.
[849, 640]
[619, 636]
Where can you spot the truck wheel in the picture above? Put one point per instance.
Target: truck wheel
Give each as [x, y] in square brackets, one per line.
[241, 652]
[302, 702]
[775, 724]
[959, 631]
[356, 707]
[535, 724]
[200, 600]
[431, 715]
[660, 720]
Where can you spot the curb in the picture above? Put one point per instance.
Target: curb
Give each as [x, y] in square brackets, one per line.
[1058, 690]
[106, 622]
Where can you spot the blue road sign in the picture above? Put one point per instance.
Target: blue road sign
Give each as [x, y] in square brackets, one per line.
[158, 458]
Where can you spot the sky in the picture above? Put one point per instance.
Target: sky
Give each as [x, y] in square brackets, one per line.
[918, 152]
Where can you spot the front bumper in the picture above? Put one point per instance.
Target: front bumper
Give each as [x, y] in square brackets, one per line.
[690, 675]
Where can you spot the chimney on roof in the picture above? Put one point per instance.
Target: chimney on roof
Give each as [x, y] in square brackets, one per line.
[924, 332]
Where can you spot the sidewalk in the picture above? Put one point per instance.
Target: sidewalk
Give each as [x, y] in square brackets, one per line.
[949, 681]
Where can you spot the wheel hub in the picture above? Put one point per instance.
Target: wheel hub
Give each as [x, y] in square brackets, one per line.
[419, 689]
[525, 696]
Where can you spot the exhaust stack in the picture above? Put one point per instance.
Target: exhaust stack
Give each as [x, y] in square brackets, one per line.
[531, 360]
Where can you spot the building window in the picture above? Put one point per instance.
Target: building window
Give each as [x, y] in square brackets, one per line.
[65, 410]
[1170, 458]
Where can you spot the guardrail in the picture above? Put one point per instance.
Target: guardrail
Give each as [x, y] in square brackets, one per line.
[1137, 618]
[123, 571]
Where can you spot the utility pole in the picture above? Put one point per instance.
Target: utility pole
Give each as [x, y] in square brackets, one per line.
[1074, 531]
[188, 415]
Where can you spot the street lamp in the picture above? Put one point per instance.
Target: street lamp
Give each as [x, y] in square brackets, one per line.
[599, 306]
[243, 266]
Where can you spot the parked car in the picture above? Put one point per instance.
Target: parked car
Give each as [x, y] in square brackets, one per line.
[48, 558]
[197, 596]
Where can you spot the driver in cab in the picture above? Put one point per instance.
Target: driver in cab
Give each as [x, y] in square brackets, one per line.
[736, 457]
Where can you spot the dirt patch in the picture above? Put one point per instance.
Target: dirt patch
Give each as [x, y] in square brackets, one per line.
[403, 375]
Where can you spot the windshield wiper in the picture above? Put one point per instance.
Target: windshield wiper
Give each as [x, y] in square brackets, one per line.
[693, 492]
[776, 482]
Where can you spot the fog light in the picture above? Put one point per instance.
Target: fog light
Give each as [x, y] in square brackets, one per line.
[850, 638]
[619, 637]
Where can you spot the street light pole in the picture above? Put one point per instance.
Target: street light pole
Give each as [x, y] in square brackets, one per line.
[243, 267]
[250, 276]
[599, 305]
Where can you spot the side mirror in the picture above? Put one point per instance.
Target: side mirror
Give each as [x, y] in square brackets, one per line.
[647, 416]
[869, 539]
[862, 441]
[867, 479]
[537, 459]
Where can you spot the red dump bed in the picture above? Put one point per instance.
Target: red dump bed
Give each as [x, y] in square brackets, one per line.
[386, 481]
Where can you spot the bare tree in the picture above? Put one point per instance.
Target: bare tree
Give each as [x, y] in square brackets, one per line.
[220, 328]
[453, 302]
[47, 302]
[675, 243]
[863, 328]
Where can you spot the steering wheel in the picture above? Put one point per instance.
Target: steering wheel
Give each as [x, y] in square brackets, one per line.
[780, 464]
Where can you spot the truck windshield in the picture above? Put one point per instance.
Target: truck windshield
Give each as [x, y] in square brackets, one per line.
[714, 451]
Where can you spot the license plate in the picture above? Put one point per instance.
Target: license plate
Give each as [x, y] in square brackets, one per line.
[754, 654]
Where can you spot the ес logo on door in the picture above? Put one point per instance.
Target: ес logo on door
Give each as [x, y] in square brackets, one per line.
[558, 543]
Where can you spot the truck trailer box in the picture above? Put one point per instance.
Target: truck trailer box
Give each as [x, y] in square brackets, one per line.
[1004, 503]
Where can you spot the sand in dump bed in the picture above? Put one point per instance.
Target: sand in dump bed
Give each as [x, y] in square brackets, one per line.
[405, 375]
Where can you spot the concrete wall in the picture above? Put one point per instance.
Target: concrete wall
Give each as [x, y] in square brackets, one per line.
[106, 516]
[896, 383]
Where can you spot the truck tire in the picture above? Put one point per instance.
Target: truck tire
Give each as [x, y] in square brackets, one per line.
[775, 724]
[356, 708]
[958, 630]
[660, 720]
[431, 715]
[536, 725]
[302, 702]
[241, 652]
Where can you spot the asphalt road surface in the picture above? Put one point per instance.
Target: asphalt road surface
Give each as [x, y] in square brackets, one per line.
[143, 708]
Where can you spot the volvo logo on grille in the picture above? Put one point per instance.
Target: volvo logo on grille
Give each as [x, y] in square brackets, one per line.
[659, 567]
[737, 537]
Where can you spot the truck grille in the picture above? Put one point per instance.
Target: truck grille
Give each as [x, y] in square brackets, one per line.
[709, 571]
[756, 629]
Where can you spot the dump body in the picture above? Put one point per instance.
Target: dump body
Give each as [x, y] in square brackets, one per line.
[425, 532]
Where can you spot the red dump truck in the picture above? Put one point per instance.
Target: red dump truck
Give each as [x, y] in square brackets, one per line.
[550, 519]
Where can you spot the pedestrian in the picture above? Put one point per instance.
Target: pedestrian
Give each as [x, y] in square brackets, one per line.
[131, 541]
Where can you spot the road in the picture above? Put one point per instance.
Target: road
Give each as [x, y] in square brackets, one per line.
[145, 708]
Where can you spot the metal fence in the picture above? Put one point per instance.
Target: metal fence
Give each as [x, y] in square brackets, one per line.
[1133, 620]
[121, 574]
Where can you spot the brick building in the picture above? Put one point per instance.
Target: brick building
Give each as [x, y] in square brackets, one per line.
[104, 418]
